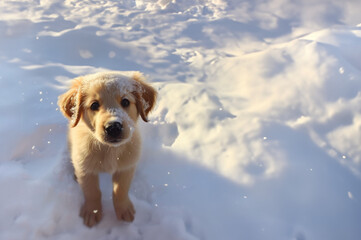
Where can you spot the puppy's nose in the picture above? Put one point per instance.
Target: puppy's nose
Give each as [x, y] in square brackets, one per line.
[113, 129]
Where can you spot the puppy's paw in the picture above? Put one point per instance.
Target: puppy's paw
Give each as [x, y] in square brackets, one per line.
[124, 210]
[91, 213]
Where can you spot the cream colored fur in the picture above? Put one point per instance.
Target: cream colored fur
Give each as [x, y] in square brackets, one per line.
[91, 152]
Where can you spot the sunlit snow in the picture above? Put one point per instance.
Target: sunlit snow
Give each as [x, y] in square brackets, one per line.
[256, 133]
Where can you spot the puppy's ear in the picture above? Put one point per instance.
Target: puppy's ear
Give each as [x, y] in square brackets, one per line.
[145, 96]
[69, 102]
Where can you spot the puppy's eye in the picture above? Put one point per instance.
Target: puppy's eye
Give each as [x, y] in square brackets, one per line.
[125, 103]
[95, 106]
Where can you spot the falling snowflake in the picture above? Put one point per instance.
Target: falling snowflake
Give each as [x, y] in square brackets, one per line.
[349, 194]
[341, 70]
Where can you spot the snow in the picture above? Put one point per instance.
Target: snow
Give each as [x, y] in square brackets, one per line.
[256, 133]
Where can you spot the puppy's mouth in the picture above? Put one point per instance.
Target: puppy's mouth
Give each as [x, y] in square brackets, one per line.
[116, 142]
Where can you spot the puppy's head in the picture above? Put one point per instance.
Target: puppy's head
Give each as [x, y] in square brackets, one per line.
[109, 104]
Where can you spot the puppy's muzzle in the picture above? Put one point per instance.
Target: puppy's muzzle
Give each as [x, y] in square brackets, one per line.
[113, 131]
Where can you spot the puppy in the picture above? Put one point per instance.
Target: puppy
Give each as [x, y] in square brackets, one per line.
[103, 110]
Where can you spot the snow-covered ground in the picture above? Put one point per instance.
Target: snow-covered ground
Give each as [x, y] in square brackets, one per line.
[256, 134]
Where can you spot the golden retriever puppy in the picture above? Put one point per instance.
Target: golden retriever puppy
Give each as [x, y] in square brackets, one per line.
[103, 110]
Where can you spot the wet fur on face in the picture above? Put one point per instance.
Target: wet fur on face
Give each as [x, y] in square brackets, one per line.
[103, 110]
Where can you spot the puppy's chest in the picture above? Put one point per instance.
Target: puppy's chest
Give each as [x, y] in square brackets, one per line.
[107, 163]
[110, 161]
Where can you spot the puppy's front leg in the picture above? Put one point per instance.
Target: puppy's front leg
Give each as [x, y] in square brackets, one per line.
[91, 211]
[124, 208]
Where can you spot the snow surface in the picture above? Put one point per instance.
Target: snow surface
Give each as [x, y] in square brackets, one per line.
[256, 134]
